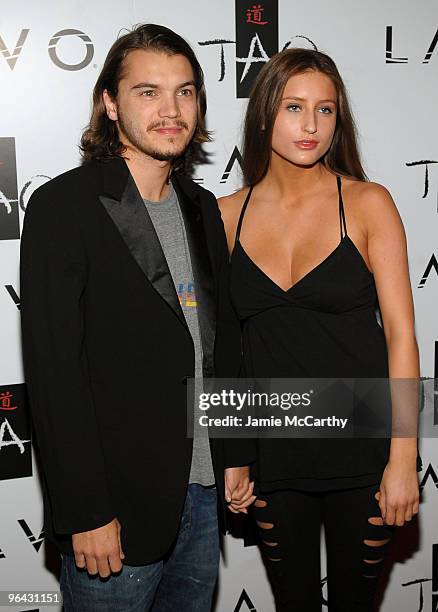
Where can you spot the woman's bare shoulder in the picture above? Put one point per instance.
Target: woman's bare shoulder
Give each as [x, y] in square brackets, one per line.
[371, 201]
[231, 204]
[363, 191]
[230, 207]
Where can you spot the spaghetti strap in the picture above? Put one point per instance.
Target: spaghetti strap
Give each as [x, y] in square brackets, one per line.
[342, 221]
[242, 212]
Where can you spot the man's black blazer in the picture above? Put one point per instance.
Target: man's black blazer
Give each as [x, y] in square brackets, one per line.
[107, 352]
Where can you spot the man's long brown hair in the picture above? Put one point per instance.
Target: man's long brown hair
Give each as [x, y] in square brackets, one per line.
[265, 98]
[100, 139]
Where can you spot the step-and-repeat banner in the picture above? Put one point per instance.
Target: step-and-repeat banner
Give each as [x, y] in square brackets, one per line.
[50, 56]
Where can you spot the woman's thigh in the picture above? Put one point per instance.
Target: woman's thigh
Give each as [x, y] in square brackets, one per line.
[289, 524]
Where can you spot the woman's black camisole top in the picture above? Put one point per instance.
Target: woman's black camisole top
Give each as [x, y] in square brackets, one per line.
[324, 326]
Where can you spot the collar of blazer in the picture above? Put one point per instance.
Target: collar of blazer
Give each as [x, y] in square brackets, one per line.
[125, 206]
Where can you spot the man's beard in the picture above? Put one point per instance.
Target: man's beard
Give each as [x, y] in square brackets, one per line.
[135, 139]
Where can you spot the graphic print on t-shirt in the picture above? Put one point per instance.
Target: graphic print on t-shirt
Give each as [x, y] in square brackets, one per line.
[186, 294]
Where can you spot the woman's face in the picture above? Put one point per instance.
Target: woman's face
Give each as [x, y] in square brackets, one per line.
[306, 119]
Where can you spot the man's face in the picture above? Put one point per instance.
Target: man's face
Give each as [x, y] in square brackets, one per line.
[156, 107]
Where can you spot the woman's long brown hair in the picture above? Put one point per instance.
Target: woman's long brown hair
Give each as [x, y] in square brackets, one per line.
[343, 156]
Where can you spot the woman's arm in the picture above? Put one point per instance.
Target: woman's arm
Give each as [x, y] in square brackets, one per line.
[238, 453]
[387, 253]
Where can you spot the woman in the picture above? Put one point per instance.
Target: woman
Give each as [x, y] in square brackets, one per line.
[315, 250]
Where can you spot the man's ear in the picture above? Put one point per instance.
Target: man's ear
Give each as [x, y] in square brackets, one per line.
[110, 105]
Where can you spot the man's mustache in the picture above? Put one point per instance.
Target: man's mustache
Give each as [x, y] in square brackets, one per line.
[165, 124]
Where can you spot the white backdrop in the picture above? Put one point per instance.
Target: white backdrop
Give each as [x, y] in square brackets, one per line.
[44, 106]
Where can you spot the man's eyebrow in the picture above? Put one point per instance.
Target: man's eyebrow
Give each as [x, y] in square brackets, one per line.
[155, 86]
[303, 99]
[186, 84]
[140, 85]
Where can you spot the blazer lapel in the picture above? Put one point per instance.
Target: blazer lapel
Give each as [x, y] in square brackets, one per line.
[125, 206]
[191, 210]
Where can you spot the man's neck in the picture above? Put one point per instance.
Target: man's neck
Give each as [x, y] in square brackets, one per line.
[150, 175]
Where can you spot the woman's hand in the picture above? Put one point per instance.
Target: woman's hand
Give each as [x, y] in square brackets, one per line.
[238, 489]
[399, 495]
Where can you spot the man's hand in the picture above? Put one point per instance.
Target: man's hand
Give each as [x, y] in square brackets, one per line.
[238, 489]
[99, 550]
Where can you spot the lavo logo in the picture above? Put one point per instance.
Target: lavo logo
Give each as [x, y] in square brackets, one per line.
[14, 296]
[236, 156]
[36, 541]
[11, 57]
[390, 59]
[429, 473]
[244, 603]
[433, 264]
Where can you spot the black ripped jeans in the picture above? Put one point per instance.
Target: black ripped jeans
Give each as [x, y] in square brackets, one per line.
[356, 542]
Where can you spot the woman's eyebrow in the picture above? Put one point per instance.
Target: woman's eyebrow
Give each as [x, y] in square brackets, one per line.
[304, 99]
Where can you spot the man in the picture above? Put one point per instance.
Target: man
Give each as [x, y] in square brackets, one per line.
[124, 296]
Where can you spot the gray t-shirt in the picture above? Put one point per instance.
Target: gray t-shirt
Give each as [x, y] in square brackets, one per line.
[169, 226]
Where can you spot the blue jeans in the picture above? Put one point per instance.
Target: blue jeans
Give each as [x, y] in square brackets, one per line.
[183, 582]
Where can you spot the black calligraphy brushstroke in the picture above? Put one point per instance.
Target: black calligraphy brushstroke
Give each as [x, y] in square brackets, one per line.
[420, 582]
[221, 42]
[26, 187]
[423, 162]
[288, 44]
